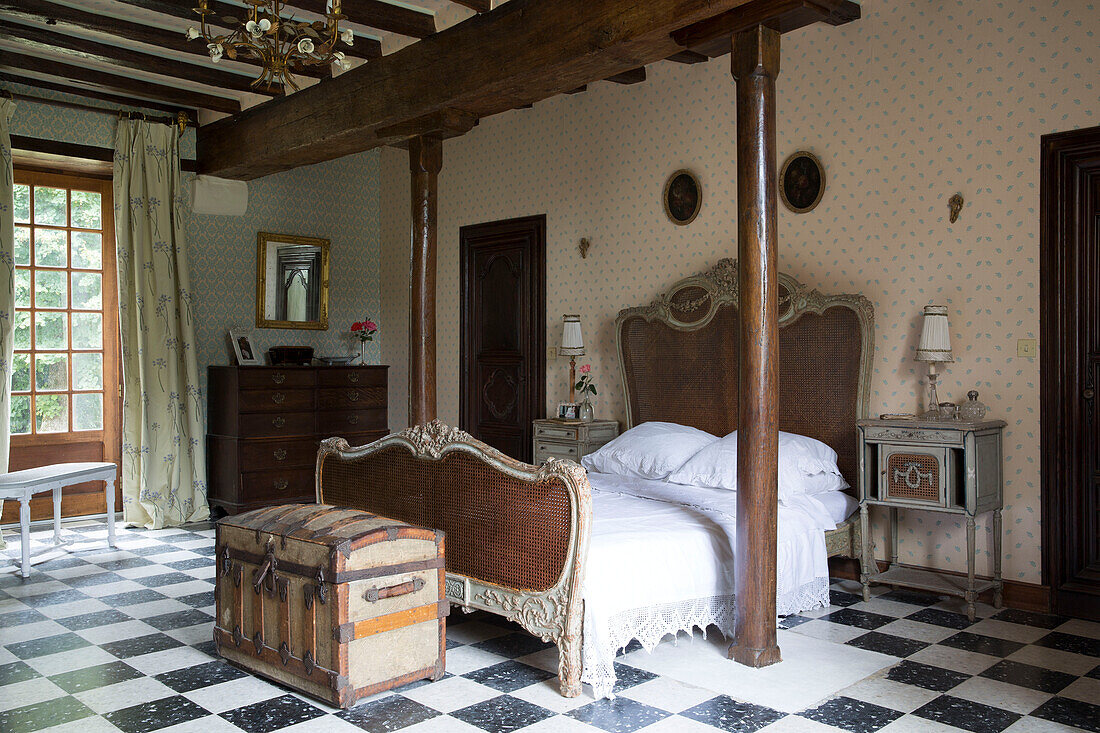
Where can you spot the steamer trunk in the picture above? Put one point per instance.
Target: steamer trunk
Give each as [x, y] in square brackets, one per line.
[336, 603]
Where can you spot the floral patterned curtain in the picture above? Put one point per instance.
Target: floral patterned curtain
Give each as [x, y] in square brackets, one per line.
[163, 455]
[7, 281]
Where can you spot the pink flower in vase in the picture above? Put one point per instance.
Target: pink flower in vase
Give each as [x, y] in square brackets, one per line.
[586, 368]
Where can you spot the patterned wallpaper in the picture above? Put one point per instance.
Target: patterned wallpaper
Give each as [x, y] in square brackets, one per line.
[337, 200]
[915, 101]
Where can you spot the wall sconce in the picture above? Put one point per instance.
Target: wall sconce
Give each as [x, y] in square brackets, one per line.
[956, 204]
[583, 247]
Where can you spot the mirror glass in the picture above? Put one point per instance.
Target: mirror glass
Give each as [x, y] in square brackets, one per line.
[292, 282]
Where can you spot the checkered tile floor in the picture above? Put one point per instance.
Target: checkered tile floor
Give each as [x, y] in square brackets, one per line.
[101, 639]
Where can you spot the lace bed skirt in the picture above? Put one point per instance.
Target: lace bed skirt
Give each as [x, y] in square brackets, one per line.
[651, 624]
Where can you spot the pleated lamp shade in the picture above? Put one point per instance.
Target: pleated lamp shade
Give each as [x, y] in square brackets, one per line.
[572, 344]
[935, 337]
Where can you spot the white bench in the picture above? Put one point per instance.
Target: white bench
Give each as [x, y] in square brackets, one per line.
[22, 485]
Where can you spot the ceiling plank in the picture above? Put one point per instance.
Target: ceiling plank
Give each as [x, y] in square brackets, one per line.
[378, 14]
[364, 48]
[480, 6]
[81, 49]
[160, 92]
[712, 37]
[65, 18]
[48, 151]
[31, 81]
[688, 57]
[633, 76]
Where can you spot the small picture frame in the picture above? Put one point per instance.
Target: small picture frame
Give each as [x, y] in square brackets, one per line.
[802, 182]
[569, 410]
[682, 197]
[243, 348]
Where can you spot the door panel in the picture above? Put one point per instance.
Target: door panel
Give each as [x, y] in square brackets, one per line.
[503, 332]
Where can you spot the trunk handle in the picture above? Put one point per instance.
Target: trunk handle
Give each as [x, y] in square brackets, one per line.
[265, 576]
[373, 595]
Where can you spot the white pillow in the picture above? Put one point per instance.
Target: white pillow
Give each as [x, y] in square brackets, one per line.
[806, 466]
[651, 450]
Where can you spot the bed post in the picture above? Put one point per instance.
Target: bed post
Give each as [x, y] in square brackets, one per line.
[755, 65]
[425, 162]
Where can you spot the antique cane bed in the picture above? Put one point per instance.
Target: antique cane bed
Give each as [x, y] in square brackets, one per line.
[518, 535]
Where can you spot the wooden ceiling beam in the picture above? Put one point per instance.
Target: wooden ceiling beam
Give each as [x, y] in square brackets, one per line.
[711, 37]
[364, 48]
[31, 81]
[478, 6]
[633, 76]
[65, 18]
[80, 49]
[688, 57]
[138, 87]
[521, 52]
[378, 14]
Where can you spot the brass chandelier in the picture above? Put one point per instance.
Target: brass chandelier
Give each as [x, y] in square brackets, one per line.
[282, 45]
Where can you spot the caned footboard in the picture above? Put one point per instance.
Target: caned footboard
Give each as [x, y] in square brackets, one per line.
[516, 534]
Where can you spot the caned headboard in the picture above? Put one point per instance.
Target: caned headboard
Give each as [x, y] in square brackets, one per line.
[678, 359]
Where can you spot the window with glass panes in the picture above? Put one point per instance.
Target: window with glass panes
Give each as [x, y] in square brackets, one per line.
[62, 234]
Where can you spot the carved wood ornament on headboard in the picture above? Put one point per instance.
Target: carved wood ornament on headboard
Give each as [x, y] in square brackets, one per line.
[678, 359]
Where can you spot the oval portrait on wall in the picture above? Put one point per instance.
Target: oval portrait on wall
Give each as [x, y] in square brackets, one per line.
[802, 182]
[683, 197]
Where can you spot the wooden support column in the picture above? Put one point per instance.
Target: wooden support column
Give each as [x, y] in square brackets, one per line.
[755, 66]
[425, 162]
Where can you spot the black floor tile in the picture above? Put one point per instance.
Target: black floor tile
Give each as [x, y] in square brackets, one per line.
[789, 622]
[388, 714]
[502, 714]
[59, 563]
[1026, 675]
[19, 618]
[201, 675]
[144, 550]
[195, 562]
[939, 617]
[208, 648]
[11, 580]
[725, 713]
[92, 620]
[198, 600]
[273, 714]
[620, 715]
[47, 645]
[43, 715]
[156, 714]
[982, 644]
[159, 581]
[926, 676]
[842, 598]
[13, 672]
[53, 599]
[178, 620]
[1071, 643]
[895, 646]
[1028, 618]
[851, 715]
[91, 678]
[513, 645]
[1095, 673]
[508, 676]
[208, 551]
[124, 563]
[126, 648]
[85, 581]
[912, 597]
[133, 597]
[627, 677]
[1077, 713]
[967, 715]
[859, 619]
[632, 646]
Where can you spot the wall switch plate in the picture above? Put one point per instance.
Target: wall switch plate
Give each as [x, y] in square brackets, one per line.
[1027, 348]
[551, 352]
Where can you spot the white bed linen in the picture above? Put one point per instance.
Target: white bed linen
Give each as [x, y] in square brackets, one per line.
[661, 561]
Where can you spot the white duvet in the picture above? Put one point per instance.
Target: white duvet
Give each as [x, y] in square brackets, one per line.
[661, 561]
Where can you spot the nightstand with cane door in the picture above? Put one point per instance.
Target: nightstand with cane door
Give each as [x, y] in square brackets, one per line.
[946, 466]
[571, 440]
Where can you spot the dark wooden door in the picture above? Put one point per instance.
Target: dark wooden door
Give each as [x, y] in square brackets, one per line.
[503, 384]
[1070, 368]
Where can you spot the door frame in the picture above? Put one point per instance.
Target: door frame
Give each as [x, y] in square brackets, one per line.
[535, 225]
[1069, 165]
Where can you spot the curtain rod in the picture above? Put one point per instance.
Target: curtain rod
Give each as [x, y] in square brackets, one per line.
[186, 118]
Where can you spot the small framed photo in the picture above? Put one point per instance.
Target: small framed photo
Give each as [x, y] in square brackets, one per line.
[569, 410]
[683, 197]
[802, 182]
[241, 340]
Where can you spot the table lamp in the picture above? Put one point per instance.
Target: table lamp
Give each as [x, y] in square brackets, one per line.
[572, 345]
[934, 346]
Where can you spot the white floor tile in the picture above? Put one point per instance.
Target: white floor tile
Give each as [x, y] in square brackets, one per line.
[466, 659]
[193, 634]
[110, 589]
[88, 656]
[156, 608]
[1054, 659]
[36, 589]
[914, 724]
[167, 660]
[910, 629]
[668, 694]
[545, 659]
[451, 694]
[472, 632]
[76, 608]
[27, 632]
[1006, 630]
[453, 725]
[795, 724]
[234, 694]
[143, 571]
[323, 724]
[1038, 725]
[124, 694]
[116, 632]
[674, 724]
[958, 660]
[30, 692]
[90, 724]
[210, 724]
[1000, 695]
[828, 631]
[187, 588]
[547, 694]
[886, 607]
[1086, 689]
[889, 694]
[1080, 627]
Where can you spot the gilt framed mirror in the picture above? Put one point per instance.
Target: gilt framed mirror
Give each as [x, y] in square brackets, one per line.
[291, 281]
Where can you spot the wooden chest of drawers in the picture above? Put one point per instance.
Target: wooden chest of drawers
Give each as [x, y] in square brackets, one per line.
[554, 439]
[266, 423]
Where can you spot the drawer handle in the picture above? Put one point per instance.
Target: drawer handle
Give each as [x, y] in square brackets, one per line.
[353, 378]
[280, 484]
[353, 396]
[278, 377]
[373, 595]
[353, 419]
[278, 422]
[278, 398]
[280, 454]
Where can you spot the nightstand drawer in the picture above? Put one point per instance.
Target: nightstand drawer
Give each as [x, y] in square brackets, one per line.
[558, 432]
[913, 435]
[546, 449]
[915, 475]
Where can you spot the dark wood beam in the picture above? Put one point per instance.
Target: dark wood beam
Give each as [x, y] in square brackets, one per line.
[582, 88]
[378, 14]
[157, 92]
[522, 52]
[755, 66]
[688, 57]
[80, 49]
[633, 76]
[425, 162]
[712, 37]
[441, 125]
[365, 48]
[64, 18]
[480, 6]
[46, 150]
[95, 94]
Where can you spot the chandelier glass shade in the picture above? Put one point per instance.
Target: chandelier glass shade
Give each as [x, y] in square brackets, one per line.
[282, 45]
